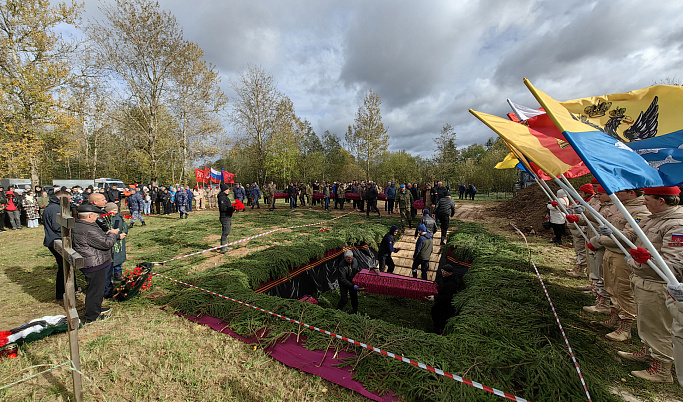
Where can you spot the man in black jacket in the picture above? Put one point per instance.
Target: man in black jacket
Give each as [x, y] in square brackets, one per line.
[225, 210]
[371, 196]
[385, 250]
[95, 248]
[445, 210]
[53, 231]
[346, 271]
[113, 195]
[443, 308]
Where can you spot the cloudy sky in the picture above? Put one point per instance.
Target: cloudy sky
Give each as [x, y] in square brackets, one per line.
[430, 61]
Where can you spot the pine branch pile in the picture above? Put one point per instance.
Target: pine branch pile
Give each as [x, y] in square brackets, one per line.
[504, 336]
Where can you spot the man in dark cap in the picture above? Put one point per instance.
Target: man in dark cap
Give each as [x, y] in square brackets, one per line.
[423, 252]
[385, 250]
[451, 284]
[225, 210]
[95, 248]
[346, 271]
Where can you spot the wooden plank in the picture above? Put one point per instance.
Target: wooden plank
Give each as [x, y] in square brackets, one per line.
[72, 257]
[66, 220]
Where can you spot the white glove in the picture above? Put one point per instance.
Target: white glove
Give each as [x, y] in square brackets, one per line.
[579, 209]
[605, 230]
[676, 291]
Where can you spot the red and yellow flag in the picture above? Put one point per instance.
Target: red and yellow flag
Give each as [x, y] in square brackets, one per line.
[553, 156]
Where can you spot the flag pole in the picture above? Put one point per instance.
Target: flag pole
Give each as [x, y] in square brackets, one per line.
[575, 194]
[546, 189]
[670, 278]
[621, 235]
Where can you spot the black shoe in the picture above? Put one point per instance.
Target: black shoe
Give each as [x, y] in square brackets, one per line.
[131, 225]
[144, 224]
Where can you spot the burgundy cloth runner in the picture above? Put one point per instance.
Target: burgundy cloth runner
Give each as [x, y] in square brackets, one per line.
[294, 354]
[395, 285]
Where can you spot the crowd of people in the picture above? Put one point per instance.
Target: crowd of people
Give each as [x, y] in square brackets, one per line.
[101, 227]
[627, 287]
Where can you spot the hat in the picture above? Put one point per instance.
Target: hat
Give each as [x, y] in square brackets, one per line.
[561, 193]
[448, 193]
[460, 270]
[594, 181]
[587, 188]
[392, 228]
[601, 190]
[27, 187]
[662, 191]
[425, 212]
[422, 228]
[224, 187]
[89, 208]
[402, 186]
[348, 253]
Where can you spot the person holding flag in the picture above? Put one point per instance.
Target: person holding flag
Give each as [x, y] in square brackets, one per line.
[655, 307]
[615, 269]
[579, 271]
[557, 217]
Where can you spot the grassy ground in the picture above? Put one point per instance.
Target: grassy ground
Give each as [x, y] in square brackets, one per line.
[145, 353]
[142, 352]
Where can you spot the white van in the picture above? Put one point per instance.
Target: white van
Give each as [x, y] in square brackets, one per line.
[105, 183]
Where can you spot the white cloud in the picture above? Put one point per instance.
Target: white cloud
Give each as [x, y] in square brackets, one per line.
[430, 61]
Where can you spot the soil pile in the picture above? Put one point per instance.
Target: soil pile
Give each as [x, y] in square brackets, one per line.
[526, 209]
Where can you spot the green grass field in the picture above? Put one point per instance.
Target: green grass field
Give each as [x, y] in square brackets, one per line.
[145, 353]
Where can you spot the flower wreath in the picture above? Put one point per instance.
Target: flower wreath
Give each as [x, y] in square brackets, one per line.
[135, 281]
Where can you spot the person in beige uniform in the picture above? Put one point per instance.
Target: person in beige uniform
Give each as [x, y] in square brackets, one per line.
[579, 271]
[596, 258]
[616, 271]
[664, 229]
[198, 198]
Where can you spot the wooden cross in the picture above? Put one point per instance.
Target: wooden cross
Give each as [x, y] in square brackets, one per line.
[71, 260]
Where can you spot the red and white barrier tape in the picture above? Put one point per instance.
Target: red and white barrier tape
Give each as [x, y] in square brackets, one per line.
[372, 348]
[250, 238]
[566, 340]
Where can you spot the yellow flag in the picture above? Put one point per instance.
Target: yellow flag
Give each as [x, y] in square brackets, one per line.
[509, 162]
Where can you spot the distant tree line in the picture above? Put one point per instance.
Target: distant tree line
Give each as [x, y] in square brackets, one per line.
[136, 101]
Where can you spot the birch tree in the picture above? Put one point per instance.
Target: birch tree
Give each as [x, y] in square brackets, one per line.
[368, 136]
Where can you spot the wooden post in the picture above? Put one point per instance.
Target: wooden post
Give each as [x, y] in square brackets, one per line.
[71, 260]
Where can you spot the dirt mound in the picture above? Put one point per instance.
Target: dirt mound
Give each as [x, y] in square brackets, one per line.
[527, 209]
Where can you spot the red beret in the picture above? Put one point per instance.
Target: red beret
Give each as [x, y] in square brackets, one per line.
[662, 191]
[594, 181]
[587, 188]
[601, 190]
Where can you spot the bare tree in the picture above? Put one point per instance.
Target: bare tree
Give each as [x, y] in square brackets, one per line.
[137, 45]
[254, 113]
[197, 104]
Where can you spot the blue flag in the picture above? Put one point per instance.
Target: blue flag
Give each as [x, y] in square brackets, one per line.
[616, 165]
